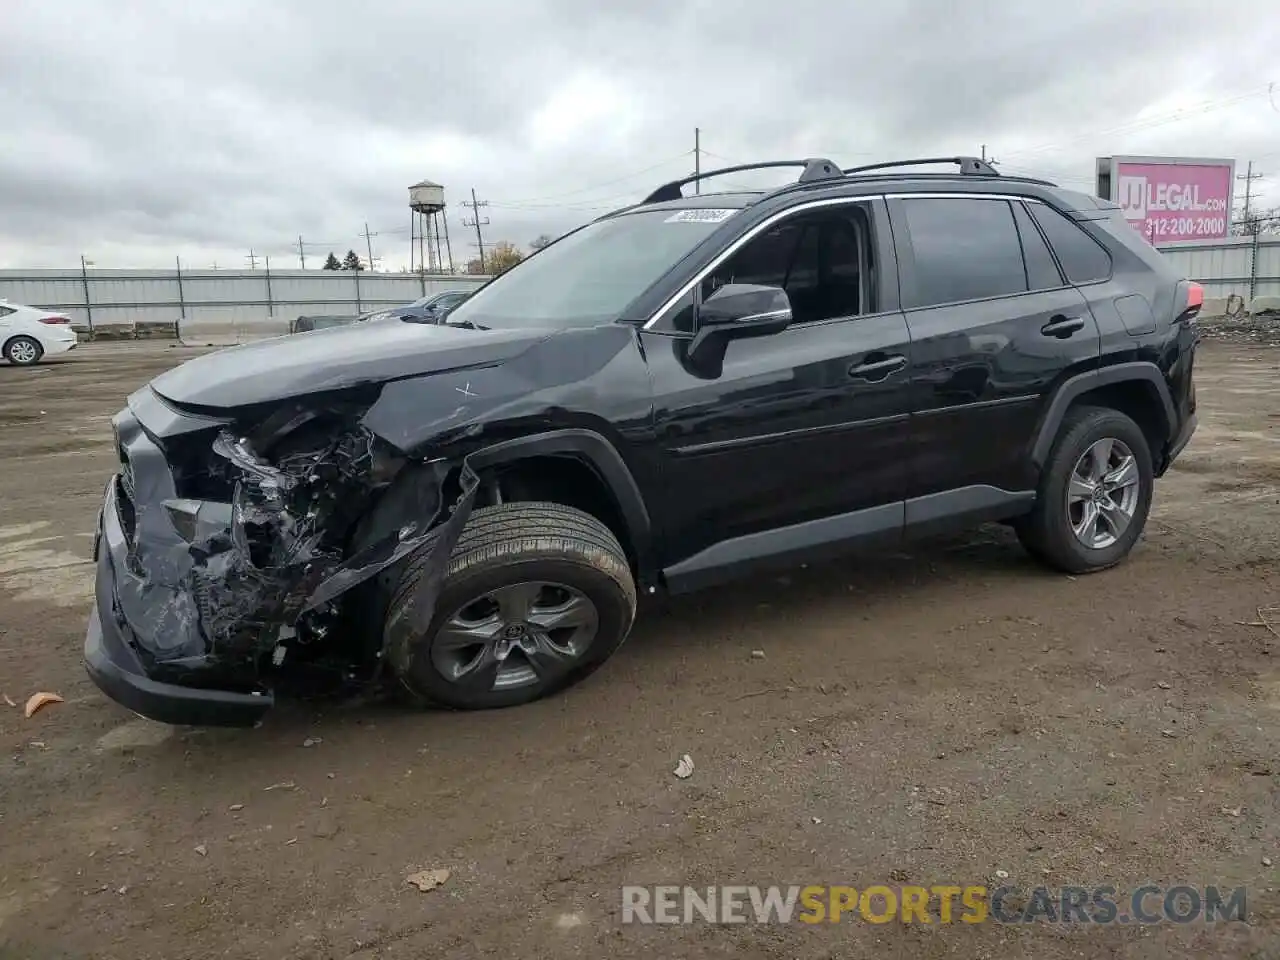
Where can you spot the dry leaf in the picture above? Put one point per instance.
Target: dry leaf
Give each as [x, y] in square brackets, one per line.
[684, 769]
[39, 700]
[428, 879]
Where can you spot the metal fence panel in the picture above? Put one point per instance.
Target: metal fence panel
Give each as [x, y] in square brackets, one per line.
[246, 299]
[243, 299]
[1243, 266]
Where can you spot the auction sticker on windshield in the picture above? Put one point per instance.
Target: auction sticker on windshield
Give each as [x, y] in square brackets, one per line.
[700, 216]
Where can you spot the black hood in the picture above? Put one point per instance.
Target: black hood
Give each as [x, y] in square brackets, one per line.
[335, 359]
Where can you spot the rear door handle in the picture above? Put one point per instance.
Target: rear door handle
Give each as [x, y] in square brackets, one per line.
[1062, 327]
[878, 368]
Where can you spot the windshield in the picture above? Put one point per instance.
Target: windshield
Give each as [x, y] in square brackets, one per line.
[590, 276]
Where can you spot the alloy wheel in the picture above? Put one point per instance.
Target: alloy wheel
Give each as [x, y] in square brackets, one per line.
[516, 635]
[23, 351]
[1103, 493]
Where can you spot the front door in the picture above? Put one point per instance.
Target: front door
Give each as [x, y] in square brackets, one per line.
[800, 437]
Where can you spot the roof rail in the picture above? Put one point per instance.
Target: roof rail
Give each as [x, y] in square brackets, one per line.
[970, 166]
[815, 168]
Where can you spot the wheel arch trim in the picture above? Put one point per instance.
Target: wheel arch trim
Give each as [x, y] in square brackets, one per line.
[1137, 371]
[602, 457]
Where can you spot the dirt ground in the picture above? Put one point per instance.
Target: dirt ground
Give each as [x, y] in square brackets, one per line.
[931, 717]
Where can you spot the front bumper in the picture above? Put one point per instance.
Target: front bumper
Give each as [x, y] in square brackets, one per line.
[117, 670]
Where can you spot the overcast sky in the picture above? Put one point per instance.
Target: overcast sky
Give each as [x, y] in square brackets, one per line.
[136, 132]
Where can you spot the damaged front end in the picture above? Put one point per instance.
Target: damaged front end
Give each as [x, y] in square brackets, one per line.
[224, 544]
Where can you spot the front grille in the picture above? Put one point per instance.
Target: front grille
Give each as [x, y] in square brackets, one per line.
[127, 512]
[126, 472]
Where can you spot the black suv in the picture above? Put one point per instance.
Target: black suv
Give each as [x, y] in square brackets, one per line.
[673, 395]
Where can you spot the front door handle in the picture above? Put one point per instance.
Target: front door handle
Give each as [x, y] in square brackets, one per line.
[1062, 327]
[877, 366]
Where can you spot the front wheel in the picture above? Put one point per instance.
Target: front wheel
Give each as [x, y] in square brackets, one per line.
[536, 596]
[23, 351]
[1094, 495]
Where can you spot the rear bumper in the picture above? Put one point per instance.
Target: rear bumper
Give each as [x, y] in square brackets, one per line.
[116, 669]
[1182, 439]
[55, 347]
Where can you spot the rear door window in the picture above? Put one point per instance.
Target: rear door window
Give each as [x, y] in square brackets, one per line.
[1042, 272]
[965, 249]
[1083, 259]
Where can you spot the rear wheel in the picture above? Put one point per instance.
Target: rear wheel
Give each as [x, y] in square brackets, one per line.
[23, 351]
[1094, 494]
[536, 596]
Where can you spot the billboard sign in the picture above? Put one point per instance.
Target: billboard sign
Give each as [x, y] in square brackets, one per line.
[1171, 199]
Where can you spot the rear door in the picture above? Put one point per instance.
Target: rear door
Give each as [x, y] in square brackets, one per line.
[993, 325]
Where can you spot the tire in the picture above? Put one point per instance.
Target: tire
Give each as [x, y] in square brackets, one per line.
[1049, 533]
[503, 553]
[23, 351]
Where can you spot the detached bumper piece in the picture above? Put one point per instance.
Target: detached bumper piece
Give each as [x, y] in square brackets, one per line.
[113, 665]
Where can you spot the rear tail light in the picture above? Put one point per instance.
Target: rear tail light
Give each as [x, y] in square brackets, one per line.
[1192, 295]
[56, 320]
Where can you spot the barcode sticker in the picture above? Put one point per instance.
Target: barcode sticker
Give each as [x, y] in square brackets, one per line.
[700, 216]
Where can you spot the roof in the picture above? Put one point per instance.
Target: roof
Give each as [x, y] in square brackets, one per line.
[426, 183]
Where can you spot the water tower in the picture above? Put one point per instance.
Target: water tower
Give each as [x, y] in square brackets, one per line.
[426, 220]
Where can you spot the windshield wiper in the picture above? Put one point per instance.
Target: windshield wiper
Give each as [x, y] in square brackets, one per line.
[465, 324]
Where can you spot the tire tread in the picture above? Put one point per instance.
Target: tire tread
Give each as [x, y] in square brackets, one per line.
[521, 531]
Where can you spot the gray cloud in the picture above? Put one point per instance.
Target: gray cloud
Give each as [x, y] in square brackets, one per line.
[137, 132]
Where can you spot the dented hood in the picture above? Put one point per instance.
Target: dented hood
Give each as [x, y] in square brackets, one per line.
[335, 359]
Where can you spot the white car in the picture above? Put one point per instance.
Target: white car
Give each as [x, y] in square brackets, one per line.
[28, 334]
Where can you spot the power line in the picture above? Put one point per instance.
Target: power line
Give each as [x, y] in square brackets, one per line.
[597, 186]
[597, 203]
[476, 222]
[1148, 123]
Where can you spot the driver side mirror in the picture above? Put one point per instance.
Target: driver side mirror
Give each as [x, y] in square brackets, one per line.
[736, 310]
[746, 310]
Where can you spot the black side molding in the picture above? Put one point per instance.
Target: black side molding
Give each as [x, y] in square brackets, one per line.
[599, 454]
[1146, 373]
[821, 539]
[965, 507]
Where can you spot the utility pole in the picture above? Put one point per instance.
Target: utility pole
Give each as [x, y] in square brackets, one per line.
[368, 242]
[985, 158]
[697, 158]
[476, 222]
[1248, 179]
[253, 259]
[302, 255]
[271, 307]
[84, 279]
